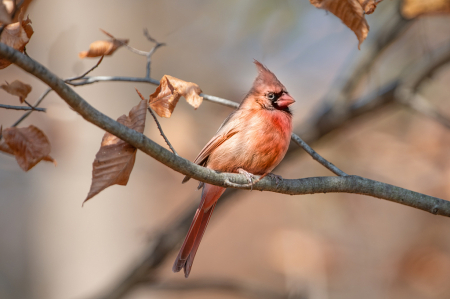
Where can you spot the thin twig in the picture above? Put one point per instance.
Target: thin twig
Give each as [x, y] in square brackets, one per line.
[38, 102]
[157, 124]
[90, 80]
[161, 131]
[316, 156]
[22, 108]
[85, 73]
[42, 97]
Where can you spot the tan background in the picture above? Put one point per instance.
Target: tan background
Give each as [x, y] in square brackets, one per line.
[329, 246]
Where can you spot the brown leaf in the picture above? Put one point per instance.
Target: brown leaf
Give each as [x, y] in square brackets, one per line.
[115, 159]
[369, 6]
[16, 35]
[350, 12]
[5, 148]
[5, 18]
[29, 145]
[17, 88]
[104, 47]
[414, 8]
[169, 91]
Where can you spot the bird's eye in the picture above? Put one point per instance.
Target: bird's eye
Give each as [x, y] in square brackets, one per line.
[271, 96]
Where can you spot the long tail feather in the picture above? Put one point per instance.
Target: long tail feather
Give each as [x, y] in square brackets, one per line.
[185, 257]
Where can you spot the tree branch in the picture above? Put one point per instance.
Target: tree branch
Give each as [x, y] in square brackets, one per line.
[349, 184]
[229, 286]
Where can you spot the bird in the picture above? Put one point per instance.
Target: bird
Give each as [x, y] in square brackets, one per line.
[251, 141]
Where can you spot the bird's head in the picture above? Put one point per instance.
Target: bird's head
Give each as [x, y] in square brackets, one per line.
[268, 92]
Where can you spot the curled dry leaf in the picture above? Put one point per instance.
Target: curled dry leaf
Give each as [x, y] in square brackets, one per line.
[104, 47]
[414, 8]
[115, 159]
[16, 35]
[17, 88]
[350, 12]
[29, 146]
[369, 6]
[169, 91]
[5, 18]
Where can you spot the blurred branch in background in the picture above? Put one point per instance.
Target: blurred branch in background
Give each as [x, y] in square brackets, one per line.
[234, 287]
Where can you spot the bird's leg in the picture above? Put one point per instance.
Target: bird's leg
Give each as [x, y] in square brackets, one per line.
[248, 175]
[275, 177]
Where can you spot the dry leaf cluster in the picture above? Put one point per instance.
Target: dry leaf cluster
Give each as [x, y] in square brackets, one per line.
[169, 91]
[17, 88]
[16, 35]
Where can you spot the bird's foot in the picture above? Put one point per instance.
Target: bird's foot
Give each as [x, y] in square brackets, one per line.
[248, 175]
[275, 177]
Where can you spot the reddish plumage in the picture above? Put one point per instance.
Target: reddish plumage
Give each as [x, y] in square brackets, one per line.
[254, 138]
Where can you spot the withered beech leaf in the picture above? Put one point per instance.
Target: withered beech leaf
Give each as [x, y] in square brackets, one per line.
[29, 146]
[5, 148]
[115, 159]
[414, 8]
[350, 12]
[104, 47]
[169, 91]
[16, 35]
[5, 18]
[17, 88]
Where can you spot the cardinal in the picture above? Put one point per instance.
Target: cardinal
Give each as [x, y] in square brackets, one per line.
[252, 141]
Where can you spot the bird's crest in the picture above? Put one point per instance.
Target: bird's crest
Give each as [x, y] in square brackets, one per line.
[265, 77]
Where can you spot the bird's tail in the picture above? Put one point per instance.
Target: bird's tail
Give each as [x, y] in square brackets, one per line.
[185, 258]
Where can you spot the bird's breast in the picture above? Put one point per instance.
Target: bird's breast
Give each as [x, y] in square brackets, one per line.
[259, 146]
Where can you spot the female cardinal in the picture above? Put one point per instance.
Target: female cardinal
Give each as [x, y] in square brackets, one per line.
[252, 140]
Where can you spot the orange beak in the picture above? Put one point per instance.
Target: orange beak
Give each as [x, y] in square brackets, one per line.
[285, 101]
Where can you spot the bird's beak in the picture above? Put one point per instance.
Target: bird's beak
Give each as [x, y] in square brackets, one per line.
[285, 101]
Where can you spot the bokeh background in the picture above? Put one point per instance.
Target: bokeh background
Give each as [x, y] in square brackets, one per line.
[311, 246]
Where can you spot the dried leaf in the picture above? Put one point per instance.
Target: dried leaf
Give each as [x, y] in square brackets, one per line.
[5, 148]
[5, 18]
[414, 8]
[29, 145]
[350, 12]
[104, 47]
[115, 159]
[369, 6]
[17, 88]
[16, 35]
[169, 91]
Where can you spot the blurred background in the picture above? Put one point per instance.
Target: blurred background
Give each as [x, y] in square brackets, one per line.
[258, 244]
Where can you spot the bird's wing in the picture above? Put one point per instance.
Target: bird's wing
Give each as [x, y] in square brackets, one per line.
[225, 132]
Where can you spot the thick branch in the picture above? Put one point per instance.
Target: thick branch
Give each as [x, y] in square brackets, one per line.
[349, 184]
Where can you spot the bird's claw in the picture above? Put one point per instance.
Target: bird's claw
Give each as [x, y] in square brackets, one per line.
[277, 178]
[248, 176]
